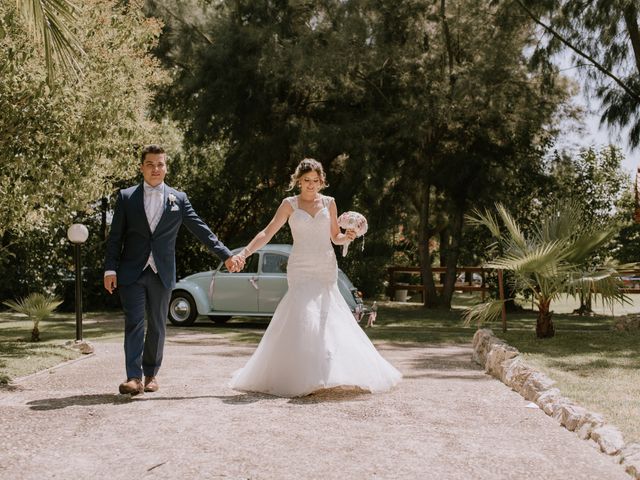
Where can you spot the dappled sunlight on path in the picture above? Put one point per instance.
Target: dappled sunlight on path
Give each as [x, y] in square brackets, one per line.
[446, 419]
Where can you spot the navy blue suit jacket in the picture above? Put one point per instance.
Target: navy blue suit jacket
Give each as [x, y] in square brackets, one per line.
[130, 239]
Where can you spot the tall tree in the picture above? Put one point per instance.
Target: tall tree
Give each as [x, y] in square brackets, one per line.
[604, 39]
[62, 150]
[477, 136]
[409, 104]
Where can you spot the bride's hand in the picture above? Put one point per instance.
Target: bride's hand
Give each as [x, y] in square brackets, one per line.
[234, 264]
[350, 235]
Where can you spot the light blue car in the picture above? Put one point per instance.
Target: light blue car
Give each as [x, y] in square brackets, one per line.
[256, 291]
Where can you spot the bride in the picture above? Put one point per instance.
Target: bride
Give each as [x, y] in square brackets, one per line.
[313, 341]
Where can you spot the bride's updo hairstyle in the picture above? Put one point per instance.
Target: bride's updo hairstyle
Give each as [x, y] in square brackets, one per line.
[305, 166]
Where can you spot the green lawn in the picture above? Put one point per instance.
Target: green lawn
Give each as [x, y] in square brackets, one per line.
[593, 365]
[19, 356]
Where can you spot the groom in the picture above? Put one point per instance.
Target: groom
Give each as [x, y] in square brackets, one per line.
[140, 260]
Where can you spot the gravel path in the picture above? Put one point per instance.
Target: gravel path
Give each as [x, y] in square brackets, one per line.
[446, 420]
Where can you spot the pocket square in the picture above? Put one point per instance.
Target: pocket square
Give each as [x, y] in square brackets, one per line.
[175, 208]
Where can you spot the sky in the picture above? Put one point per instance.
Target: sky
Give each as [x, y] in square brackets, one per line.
[601, 136]
[594, 134]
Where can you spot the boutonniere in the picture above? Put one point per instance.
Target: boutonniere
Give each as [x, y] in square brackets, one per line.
[172, 202]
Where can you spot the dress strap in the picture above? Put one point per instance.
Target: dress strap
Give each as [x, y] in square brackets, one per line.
[326, 201]
[293, 201]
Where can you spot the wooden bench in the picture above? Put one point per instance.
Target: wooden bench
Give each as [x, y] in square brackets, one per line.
[469, 286]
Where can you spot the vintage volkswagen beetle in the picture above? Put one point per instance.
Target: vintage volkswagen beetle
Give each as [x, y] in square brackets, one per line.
[256, 291]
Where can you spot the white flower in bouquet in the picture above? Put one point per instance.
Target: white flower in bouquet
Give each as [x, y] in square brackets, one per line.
[352, 221]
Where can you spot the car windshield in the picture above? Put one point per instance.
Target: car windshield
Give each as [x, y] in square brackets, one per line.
[250, 267]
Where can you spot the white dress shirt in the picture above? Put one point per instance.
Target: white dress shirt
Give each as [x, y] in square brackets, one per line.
[153, 203]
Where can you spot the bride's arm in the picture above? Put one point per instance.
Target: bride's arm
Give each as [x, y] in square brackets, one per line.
[337, 237]
[263, 237]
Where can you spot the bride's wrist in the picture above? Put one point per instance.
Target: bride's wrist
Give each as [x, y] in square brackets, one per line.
[245, 253]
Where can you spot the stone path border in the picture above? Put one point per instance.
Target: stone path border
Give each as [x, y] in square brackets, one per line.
[505, 363]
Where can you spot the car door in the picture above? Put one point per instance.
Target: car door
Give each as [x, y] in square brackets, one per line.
[236, 292]
[273, 280]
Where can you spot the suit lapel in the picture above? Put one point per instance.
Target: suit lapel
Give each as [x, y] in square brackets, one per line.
[165, 202]
[138, 200]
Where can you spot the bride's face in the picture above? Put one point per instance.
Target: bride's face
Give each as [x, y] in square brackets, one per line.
[310, 183]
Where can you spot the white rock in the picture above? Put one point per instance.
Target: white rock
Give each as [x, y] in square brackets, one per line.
[609, 438]
[631, 452]
[547, 397]
[495, 359]
[481, 340]
[82, 346]
[569, 415]
[557, 407]
[535, 385]
[588, 423]
[517, 373]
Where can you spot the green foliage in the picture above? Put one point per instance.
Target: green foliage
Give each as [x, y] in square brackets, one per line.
[550, 261]
[604, 38]
[51, 23]
[626, 246]
[62, 149]
[397, 111]
[36, 307]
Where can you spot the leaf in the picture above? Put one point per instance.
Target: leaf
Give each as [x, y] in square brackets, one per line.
[36, 306]
[483, 312]
[486, 219]
[516, 236]
[50, 22]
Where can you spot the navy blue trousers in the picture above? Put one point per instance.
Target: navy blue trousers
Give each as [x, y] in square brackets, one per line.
[143, 353]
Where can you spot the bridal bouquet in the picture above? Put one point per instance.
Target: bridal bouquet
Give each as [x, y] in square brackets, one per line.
[353, 221]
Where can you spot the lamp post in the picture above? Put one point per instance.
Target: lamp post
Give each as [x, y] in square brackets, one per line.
[78, 234]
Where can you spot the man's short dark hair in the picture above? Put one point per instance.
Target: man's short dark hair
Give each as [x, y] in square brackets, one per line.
[150, 149]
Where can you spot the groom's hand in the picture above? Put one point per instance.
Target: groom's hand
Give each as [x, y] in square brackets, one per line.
[234, 263]
[110, 283]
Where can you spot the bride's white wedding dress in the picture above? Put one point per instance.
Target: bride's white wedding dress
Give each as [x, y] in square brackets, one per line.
[313, 340]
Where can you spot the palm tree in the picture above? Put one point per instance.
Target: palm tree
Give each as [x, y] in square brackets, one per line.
[549, 262]
[37, 307]
[51, 23]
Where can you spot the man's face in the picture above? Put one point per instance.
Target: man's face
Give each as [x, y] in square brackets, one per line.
[154, 168]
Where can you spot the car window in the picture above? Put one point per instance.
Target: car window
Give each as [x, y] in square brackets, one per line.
[274, 263]
[251, 266]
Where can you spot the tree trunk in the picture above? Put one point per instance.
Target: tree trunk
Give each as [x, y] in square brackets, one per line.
[585, 306]
[35, 334]
[453, 252]
[510, 293]
[544, 324]
[429, 295]
[104, 206]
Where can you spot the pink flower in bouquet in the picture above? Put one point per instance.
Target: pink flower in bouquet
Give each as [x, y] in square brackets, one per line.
[353, 221]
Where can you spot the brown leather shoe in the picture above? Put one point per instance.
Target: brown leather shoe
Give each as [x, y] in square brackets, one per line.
[132, 386]
[150, 384]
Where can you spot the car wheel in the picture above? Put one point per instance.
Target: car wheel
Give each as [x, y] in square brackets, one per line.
[219, 319]
[182, 309]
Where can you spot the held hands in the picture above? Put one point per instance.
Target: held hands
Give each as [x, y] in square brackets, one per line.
[235, 263]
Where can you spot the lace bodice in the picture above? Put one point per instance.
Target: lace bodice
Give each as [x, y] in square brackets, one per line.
[310, 233]
[312, 253]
